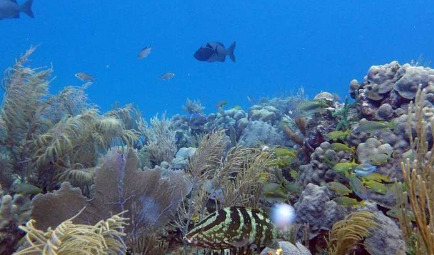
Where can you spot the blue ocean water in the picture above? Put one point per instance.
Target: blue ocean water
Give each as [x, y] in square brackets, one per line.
[281, 45]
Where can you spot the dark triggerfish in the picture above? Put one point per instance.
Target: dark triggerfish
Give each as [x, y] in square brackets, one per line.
[234, 227]
[10, 9]
[215, 51]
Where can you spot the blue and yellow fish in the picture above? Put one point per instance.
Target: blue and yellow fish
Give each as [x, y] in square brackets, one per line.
[365, 170]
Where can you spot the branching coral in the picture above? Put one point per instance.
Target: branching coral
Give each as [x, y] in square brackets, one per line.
[105, 237]
[350, 231]
[200, 169]
[419, 174]
[14, 211]
[23, 101]
[73, 145]
[48, 139]
[160, 140]
[193, 106]
[241, 177]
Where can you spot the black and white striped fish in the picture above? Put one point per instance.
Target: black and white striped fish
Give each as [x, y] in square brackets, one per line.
[234, 227]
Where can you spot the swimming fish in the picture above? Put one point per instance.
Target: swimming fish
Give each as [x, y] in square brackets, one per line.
[274, 192]
[10, 9]
[167, 76]
[85, 76]
[347, 201]
[365, 170]
[376, 186]
[338, 135]
[342, 147]
[378, 159]
[144, 52]
[370, 126]
[345, 167]
[396, 212]
[357, 187]
[311, 106]
[221, 104]
[25, 189]
[338, 188]
[376, 177]
[233, 227]
[215, 51]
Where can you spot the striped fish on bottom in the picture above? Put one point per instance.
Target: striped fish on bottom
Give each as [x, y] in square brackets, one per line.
[234, 227]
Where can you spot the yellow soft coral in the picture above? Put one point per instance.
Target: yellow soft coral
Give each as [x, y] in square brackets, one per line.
[69, 238]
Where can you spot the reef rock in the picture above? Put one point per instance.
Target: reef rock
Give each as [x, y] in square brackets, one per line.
[370, 148]
[388, 87]
[181, 159]
[288, 249]
[266, 113]
[260, 132]
[319, 170]
[386, 238]
[385, 112]
[315, 208]
[410, 77]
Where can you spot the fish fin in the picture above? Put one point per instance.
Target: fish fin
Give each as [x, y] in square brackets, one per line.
[392, 125]
[241, 243]
[27, 8]
[231, 51]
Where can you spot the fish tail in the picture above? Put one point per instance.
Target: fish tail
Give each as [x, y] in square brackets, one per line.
[231, 51]
[27, 8]
[392, 125]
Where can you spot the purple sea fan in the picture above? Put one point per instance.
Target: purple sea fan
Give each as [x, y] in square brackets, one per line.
[148, 198]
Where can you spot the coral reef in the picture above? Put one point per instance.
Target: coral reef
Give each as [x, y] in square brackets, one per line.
[50, 139]
[386, 237]
[129, 187]
[320, 169]
[260, 132]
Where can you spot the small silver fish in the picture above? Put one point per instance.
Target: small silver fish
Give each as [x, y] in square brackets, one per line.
[144, 52]
[167, 76]
[85, 76]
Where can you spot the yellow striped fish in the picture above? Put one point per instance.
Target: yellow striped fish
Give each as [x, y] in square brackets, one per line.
[234, 227]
